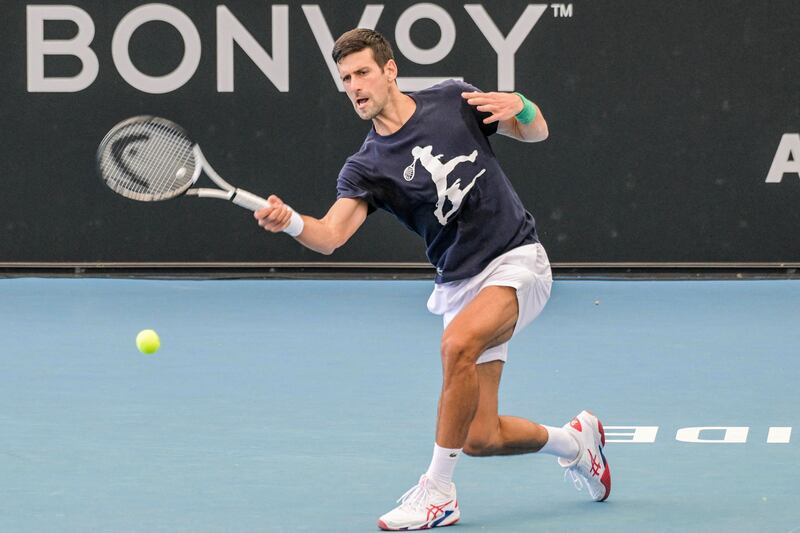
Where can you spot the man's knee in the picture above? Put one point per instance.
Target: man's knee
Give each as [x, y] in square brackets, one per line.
[459, 352]
[479, 446]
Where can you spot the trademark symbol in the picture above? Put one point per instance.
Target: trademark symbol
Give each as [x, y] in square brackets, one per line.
[561, 10]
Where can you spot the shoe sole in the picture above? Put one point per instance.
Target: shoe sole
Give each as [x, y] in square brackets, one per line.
[606, 478]
[382, 525]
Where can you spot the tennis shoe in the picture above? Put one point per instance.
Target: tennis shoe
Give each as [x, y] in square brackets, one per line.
[423, 506]
[590, 467]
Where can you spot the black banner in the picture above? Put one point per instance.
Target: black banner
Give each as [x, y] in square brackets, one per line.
[674, 126]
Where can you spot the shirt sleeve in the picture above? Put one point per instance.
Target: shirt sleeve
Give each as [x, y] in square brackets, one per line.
[350, 185]
[487, 129]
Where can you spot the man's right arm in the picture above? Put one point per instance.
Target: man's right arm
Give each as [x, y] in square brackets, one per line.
[321, 235]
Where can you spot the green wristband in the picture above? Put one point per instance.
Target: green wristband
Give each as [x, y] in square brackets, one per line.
[528, 113]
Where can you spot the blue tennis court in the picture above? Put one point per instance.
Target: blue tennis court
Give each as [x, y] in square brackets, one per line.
[310, 406]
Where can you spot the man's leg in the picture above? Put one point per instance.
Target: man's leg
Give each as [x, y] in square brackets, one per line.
[490, 434]
[578, 445]
[469, 393]
[468, 416]
[487, 321]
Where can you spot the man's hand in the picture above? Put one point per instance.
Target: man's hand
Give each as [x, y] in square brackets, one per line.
[274, 218]
[502, 106]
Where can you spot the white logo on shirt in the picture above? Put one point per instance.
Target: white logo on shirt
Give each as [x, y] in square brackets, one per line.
[439, 172]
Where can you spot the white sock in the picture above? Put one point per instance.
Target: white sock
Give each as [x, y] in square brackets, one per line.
[442, 465]
[560, 443]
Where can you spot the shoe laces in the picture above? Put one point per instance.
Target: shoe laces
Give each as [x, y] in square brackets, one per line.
[417, 496]
[578, 481]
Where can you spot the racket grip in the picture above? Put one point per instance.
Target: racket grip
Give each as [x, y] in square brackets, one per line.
[249, 200]
[252, 202]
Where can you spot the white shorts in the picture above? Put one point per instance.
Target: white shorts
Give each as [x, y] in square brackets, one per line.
[526, 268]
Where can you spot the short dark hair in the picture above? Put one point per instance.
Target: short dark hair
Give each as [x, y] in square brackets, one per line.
[359, 39]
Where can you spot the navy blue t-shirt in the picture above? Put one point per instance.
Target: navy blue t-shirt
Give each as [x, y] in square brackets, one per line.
[439, 176]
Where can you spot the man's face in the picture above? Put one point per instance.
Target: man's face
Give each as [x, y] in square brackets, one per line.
[366, 84]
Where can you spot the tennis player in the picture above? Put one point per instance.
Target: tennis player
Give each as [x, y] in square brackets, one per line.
[428, 161]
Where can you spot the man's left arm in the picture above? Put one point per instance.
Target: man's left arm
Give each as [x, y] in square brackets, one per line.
[517, 117]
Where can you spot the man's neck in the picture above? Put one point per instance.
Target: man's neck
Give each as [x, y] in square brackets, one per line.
[397, 111]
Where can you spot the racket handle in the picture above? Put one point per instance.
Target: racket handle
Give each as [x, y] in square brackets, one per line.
[249, 200]
[252, 202]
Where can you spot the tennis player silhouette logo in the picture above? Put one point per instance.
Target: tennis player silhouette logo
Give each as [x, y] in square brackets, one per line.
[439, 172]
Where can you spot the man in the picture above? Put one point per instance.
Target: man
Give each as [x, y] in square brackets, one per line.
[428, 161]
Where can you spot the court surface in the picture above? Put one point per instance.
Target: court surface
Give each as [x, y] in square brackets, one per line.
[310, 405]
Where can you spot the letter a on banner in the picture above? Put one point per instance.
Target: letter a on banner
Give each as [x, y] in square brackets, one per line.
[787, 158]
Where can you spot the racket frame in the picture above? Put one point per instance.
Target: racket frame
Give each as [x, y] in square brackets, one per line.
[227, 191]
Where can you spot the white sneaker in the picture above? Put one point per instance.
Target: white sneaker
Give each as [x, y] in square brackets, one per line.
[424, 506]
[590, 467]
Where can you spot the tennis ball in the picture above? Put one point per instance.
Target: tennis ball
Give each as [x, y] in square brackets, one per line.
[147, 341]
[180, 173]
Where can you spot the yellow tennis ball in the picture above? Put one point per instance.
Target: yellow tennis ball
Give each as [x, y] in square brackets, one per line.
[147, 341]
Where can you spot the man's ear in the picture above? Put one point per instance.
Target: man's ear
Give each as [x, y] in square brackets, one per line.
[390, 68]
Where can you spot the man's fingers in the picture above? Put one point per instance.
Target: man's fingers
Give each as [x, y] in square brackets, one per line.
[479, 101]
[279, 223]
[274, 217]
[499, 104]
[263, 212]
[283, 218]
[477, 93]
[479, 98]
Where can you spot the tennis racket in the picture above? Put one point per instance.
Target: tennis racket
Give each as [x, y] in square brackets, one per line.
[408, 172]
[150, 159]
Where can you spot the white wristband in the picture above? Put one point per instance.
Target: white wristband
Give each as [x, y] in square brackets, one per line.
[296, 224]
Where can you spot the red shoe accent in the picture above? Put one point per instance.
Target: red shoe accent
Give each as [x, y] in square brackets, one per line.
[602, 433]
[606, 480]
[595, 464]
[383, 526]
[435, 510]
[576, 424]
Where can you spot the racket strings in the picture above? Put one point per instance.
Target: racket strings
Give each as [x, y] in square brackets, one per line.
[159, 149]
[165, 153]
[148, 160]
